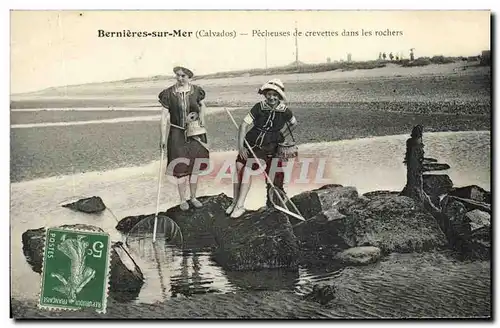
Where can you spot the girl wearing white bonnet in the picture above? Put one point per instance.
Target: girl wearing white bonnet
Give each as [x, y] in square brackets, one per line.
[271, 119]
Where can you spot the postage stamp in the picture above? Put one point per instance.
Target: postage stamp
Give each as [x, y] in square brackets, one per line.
[75, 270]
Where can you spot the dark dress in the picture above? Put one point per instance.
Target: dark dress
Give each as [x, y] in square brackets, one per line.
[179, 146]
[265, 135]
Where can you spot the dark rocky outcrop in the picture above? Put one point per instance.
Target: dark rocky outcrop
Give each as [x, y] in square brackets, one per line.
[378, 193]
[473, 204]
[262, 239]
[424, 193]
[344, 220]
[435, 167]
[127, 223]
[473, 192]
[394, 224]
[329, 197]
[468, 232]
[92, 204]
[319, 235]
[258, 240]
[33, 240]
[436, 185]
[195, 224]
[126, 278]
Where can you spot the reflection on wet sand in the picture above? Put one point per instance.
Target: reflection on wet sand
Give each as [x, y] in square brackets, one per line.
[190, 280]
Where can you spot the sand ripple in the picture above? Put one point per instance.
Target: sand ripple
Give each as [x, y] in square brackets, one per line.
[427, 285]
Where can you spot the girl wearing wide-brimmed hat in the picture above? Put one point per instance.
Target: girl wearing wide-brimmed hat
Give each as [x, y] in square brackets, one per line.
[183, 102]
[271, 120]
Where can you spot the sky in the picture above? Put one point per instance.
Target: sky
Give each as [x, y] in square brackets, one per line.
[55, 48]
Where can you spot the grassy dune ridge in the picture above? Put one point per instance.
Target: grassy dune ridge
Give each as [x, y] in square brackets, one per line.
[447, 88]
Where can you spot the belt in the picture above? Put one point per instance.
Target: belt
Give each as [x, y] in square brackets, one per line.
[181, 128]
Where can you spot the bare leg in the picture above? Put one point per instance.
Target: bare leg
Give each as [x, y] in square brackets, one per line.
[244, 188]
[181, 186]
[192, 187]
[243, 192]
[236, 187]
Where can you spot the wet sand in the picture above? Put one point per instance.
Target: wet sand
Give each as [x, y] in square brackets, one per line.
[52, 151]
[67, 116]
[429, 285]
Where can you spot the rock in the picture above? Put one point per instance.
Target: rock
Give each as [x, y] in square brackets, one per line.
[313, 202]
[452, 219]
[87, 205]
[429, 160]
[195, 224]
[394, 224]
[473, 204]
[127, 223]
[436, 185]
[480, 236]
[469, 233]
[262, 239]
[33, 240]
[318, 236]
[390, 222]
[322, 293]
[377, 193]
[359, 255]
[478, 219]
[435, 167]
[126, 278]
[472, 192]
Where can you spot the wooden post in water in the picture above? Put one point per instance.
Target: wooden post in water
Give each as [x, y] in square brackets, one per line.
[414, 160]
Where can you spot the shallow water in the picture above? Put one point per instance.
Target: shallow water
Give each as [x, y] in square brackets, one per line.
[367, 164]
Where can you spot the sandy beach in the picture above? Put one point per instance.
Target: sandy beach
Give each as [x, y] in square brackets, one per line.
[402, 286]
[359, 119]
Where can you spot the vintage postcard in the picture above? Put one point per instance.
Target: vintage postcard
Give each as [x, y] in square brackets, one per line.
[250, 164]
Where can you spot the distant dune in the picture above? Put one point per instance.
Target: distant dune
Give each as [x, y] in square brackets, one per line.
[292, 69]
[458, 87]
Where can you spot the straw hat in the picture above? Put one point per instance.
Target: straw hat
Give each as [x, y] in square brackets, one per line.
[186, 71]
[274, 84]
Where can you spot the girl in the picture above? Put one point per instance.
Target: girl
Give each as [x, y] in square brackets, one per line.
[180, 100]
[271, 120]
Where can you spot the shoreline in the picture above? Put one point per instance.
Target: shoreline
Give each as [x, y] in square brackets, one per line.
[221, 151]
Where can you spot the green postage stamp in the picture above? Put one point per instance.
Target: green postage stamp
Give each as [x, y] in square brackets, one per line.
[75, 270]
